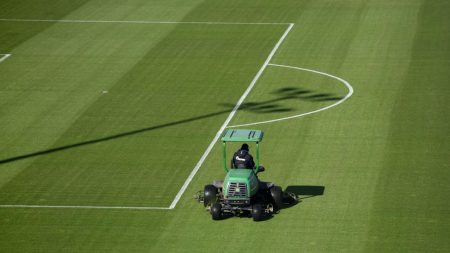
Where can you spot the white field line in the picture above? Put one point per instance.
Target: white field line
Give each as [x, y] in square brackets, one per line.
[4, 57]
[215, 139]
[349, 94]
[136, 22]
[230, 116]
[87, 207]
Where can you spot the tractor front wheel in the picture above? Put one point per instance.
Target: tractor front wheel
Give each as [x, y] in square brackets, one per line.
[210, 194]
[216, 211]
[257, 212]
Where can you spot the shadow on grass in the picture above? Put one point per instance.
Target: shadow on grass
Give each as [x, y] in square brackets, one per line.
[267, 106]
[284, 94]
[299, 191]
[306, 191]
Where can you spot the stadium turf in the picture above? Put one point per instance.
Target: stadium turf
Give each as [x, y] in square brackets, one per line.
[119, 113]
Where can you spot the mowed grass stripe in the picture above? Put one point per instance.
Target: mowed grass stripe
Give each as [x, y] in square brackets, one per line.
[135, 138]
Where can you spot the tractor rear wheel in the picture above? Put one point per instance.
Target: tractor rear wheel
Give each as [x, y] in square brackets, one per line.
[216, 211]
[257, 212]
[277, 197]
[210, 194]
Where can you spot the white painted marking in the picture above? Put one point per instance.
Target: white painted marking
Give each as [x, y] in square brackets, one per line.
[349, 94]
[136, 22]
[218, 134]
[230, 116]
[87, 207]
[4, 57]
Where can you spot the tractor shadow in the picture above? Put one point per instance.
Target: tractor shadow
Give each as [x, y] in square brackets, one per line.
[306, 95]
[302, 192]
[283, 94]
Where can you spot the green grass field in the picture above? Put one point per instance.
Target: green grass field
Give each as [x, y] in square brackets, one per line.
[115, 106]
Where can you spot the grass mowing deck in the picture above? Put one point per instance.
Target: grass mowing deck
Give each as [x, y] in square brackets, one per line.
[372, 170]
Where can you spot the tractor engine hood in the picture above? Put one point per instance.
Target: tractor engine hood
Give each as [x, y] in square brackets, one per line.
[240, 183]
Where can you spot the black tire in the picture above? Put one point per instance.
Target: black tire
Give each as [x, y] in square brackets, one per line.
[277, 197]
[257, 212]
[210, 194]
[216, 211]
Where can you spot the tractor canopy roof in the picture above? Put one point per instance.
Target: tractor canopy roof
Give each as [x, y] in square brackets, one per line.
[242, 135]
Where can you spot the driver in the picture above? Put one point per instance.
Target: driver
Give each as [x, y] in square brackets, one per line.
[242, 158]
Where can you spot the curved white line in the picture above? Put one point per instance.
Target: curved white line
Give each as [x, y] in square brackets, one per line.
[349, 94]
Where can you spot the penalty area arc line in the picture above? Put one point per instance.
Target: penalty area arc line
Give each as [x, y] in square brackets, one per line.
[347, 84]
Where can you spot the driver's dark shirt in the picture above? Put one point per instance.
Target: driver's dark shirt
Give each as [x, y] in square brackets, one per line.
[242, 160]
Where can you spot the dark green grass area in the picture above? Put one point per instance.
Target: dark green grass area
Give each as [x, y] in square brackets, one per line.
[372, 173]
[24, 9]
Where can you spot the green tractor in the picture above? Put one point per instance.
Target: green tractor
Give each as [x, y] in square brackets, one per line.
[242, 192]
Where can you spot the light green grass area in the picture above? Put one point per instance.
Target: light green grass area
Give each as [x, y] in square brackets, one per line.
[119, 114]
